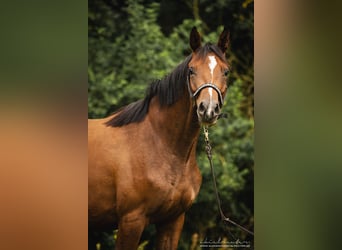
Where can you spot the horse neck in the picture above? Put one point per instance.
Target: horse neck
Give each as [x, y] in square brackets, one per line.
[176, 125]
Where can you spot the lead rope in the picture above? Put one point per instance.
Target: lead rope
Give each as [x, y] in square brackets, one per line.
[209, 155]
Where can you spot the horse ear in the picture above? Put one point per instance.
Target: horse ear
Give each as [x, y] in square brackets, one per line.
[223, 41]
[195, 39]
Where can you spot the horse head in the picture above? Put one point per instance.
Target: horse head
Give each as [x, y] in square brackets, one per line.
[208, 72]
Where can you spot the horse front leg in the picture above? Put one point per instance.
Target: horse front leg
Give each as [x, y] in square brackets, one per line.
[168, 234]
[131, 227]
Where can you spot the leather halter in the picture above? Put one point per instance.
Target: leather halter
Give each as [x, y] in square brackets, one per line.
[206, 85]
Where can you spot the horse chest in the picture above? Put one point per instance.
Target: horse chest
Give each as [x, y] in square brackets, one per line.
[175, 195]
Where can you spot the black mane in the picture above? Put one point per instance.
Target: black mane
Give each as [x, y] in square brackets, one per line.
[169, 90]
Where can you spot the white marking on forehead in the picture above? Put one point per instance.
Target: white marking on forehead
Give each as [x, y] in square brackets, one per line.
[212, 64]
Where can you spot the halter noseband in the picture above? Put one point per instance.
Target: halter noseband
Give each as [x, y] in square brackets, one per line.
[208, 85]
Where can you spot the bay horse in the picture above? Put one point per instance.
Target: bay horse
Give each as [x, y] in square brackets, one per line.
[142, 159]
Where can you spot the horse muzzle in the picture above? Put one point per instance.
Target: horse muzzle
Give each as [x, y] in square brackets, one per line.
[208, 112]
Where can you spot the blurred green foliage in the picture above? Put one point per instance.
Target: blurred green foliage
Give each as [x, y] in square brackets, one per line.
[130, 44]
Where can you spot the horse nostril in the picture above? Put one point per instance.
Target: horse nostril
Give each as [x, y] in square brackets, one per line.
[201, 108]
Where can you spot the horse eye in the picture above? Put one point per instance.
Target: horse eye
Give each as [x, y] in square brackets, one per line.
[191, 71]
[226, 72]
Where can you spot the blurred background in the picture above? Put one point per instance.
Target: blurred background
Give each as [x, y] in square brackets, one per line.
[131, 43]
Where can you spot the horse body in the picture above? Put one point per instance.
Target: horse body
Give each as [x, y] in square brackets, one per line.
[143, 169]
[156, 187]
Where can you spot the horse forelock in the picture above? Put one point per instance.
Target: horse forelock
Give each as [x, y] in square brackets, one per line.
[202, 52]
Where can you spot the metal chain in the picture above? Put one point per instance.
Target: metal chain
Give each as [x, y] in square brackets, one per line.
[209, 155]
